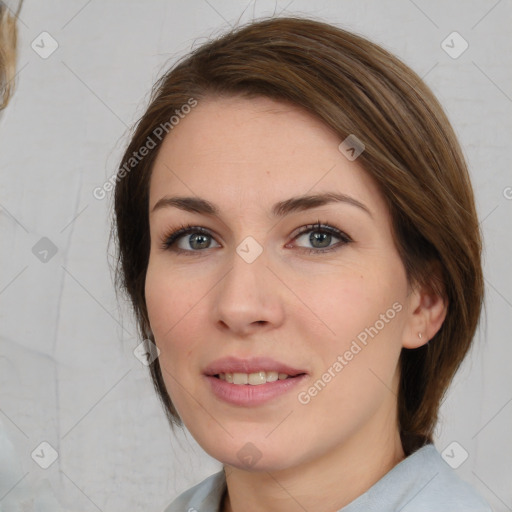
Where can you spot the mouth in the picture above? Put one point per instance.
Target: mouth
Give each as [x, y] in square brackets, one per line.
[245, 394]
[252, 371]
[255, 378]
[252, 382]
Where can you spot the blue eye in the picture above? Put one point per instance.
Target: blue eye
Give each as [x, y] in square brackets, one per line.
[196, 238]
[320, 237]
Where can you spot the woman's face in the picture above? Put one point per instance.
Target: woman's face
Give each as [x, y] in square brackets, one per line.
[255, 281]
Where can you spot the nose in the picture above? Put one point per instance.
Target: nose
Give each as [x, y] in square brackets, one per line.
[248, 298]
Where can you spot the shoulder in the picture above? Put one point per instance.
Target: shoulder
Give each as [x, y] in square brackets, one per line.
[204, 496]
[422, 482]
[444, 488]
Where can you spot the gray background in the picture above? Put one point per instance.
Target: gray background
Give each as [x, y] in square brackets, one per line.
[68, 375]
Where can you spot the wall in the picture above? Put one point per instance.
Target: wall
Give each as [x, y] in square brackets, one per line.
[68, 376]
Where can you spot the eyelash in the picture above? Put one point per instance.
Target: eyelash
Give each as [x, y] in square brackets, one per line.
[172, 237]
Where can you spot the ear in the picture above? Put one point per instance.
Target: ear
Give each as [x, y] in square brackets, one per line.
[427, 311]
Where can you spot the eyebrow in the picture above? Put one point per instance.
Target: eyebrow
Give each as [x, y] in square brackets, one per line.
[280, 209]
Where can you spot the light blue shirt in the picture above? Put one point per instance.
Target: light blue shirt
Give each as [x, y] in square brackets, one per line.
[422, 482]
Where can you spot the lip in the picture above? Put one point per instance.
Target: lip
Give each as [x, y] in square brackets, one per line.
[251, 365]
[246, 395]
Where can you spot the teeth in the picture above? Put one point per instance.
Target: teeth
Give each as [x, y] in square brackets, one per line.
[253, 379]
[240, 378]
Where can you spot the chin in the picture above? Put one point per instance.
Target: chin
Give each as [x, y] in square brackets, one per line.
[253, 455]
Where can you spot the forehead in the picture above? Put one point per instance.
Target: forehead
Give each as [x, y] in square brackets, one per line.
[254, 152]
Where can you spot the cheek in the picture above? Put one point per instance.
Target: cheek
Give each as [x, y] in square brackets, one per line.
[172, 303]
[363, 316]
[170, 300]
[348, 300]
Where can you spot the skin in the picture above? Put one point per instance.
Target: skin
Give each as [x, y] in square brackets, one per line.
[302, 309]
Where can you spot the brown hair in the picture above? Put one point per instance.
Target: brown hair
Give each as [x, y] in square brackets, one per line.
[8, 53]
[411, 151]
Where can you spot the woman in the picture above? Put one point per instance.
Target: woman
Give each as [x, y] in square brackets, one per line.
[298, 236]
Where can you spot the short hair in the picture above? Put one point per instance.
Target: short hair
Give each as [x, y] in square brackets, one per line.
[355, 87]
